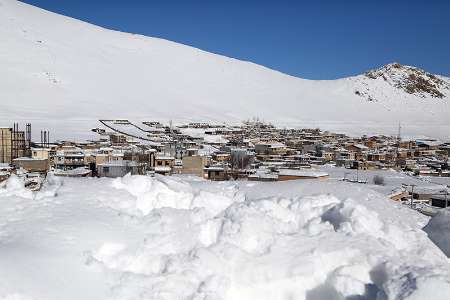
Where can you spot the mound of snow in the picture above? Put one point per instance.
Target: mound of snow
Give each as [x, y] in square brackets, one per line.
[15, 297]
[15, 186]
[438, 229]
[182, 238]
[160, 191]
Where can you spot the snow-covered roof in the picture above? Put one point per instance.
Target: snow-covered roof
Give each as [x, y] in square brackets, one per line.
[163, 169]
[164, 157]
[361, 146]
[29, 159]
[430, 143]
[76, 171]
[264, 175]
[74, 153]
[40, 149]
[214, 168]
[119, 163]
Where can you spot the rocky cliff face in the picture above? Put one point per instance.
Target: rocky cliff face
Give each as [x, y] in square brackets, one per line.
[412, 80]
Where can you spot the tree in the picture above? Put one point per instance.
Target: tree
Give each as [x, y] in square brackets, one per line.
[378, 180]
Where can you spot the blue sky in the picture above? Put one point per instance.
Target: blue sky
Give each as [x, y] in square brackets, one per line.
[309, 39]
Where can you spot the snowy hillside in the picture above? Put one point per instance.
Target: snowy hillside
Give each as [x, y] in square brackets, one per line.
[177, 238]
[64, 74]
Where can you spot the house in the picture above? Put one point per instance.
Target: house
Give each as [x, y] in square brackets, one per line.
[270, 148]
[423, 194]
[343, 154]
[69, 157]
[371, 143]
[221, 157]
[203, 125]
[328, 155]
[357, 148]
[263, 176]
[191, 152]
[440, 200]
[362, 165]
[359, 151]
[426, 147]
[216, 173]
[164, 164]
[39, 165]
[45, 153]
[117, 139]
[107, 154]
[376, 156]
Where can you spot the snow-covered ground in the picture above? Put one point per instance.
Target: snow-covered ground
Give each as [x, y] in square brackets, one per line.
[393, 180]
[63, 75]
[182, 237]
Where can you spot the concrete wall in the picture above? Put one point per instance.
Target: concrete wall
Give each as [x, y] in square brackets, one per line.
[32, 165]
[194, 165]
[115, 171]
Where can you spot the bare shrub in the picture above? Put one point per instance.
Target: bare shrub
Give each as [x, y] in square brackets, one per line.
[378, 180]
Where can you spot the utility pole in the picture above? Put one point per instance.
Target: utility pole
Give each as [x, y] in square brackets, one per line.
[412, 192]
[399, 138]
[445, 193]
[2, 154]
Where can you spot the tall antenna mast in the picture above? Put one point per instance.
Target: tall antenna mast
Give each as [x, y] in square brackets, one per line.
[399, 139]
[173, 138]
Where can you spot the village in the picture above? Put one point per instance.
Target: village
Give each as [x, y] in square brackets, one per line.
[253, 151]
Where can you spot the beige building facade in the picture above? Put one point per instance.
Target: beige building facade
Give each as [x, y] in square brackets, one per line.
[12, 145]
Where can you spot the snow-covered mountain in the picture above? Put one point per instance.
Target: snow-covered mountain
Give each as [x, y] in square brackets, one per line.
[65, 74]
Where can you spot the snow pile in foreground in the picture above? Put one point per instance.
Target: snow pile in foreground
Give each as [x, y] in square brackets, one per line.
[182, 238]
[14, 186]
[166, 192]
[438, 229]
